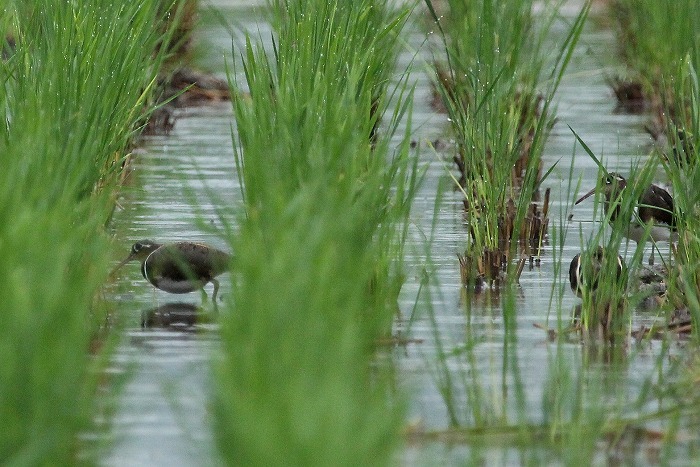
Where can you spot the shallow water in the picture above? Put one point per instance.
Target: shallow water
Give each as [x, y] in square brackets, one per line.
[182, 180]
[162, 416]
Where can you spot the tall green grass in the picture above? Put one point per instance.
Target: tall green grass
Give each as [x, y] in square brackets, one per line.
[683, 170]
[499, 97]
[74, 92]
[655, 40]
[654, 36]
[660, 41]
[318, 250]
[606, 309]
[595, 406]
[497, 84]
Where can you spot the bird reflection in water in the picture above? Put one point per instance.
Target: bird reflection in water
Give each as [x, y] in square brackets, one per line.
[176, 316]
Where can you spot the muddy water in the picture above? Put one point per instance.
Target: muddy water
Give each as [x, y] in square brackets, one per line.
[179, 181]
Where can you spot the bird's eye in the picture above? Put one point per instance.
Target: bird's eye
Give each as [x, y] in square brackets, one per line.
[136, 248]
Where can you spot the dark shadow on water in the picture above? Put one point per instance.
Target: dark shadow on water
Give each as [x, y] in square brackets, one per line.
[177, 316]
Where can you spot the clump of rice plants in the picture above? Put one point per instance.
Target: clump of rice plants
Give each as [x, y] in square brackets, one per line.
[492, 264]
[76, 80]
[318, 249]
[660, 44]
[599, 275]
[490, 85]
[684, 172]
[654, 38]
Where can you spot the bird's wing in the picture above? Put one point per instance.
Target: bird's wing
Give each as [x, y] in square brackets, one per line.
[657, 203]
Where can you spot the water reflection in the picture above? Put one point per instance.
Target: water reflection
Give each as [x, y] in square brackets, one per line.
[177, 316]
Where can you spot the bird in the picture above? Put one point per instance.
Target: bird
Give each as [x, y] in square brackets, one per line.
[654, 212]
[603, 306]
[179, 267]
[586, 271]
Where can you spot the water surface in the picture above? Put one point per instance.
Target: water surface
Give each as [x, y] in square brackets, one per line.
[184, 182]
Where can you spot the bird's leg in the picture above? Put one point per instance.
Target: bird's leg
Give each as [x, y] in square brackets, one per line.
[651, 258]
[216, 290]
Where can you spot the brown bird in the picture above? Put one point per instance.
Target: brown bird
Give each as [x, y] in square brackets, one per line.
[585, 272]
[654, 212]
[179, 267]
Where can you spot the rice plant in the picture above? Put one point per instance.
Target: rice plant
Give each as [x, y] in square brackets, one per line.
[654, 38]
[318, 249]
[659, 42]
[76, 79]
[683, 171]
[608, 284]
[498, 96]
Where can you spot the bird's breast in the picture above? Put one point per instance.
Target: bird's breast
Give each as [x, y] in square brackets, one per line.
[176, 285]
[172, 274]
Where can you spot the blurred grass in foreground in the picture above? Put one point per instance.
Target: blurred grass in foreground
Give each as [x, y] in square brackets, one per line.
[318, 255]
[76, 80]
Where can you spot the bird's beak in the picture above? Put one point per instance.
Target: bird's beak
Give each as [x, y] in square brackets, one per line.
[119, 266]
[585, 196]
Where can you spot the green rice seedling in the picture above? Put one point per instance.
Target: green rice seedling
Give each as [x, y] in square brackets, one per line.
[589, 408]
[474, 397]
[487, 405]
[591, 415]
[75, 86]
[484, 398]
[683, 171]
[654, 37]
[557, 241]
[594, 413]
[501, 118]
[571, 408]
[603, 275]
[318, 249]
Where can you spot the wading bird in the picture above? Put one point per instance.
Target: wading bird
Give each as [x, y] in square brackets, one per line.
[585, 271]
[179, 267]
[587, 274]
[654, 212]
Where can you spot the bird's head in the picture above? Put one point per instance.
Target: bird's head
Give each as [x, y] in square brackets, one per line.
[139, 251]
[611, 185]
